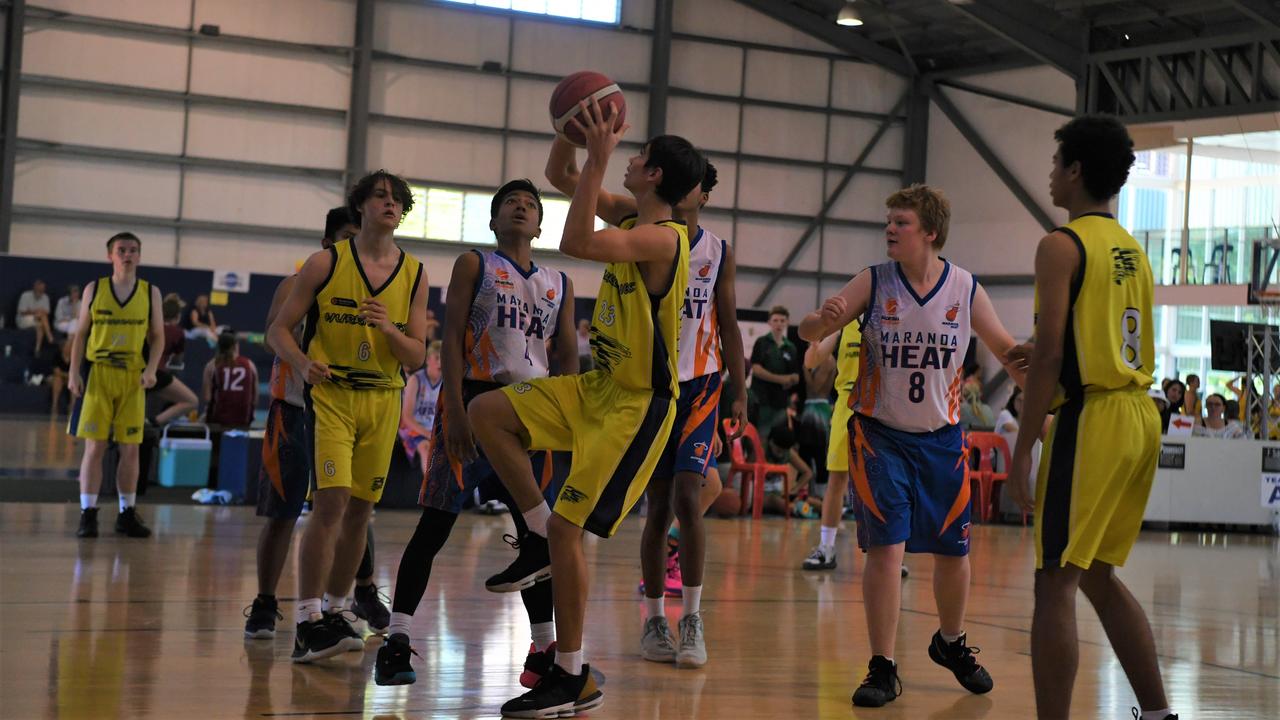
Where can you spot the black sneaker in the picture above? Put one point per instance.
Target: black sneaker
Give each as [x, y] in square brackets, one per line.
[352, 640]
[88, 523]
[537, 664]
[532, 565]
[262, 616]
[1137, 714]
[128, 523]
[905, 571]
[392, 666]
[316, 640]
[557, 694]
[820, 559]
[881, 685]
[370, 606]
[958, 658]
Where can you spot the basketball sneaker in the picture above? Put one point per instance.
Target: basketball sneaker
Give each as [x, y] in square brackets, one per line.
[316, 640]
[129, 524]
[262, 616]
[881, 685]
[537, 664]
[656, 644]
[905, 572]
[1137, 714]
[557, 694]
[532, 565]
[88, 523]
[340, 621]
[822, 558]
[370, 606]
[693, 645]
[958, 658]
[392, 666]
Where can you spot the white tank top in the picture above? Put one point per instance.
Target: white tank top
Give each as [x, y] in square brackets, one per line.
[699, 325]
[913, 350]
[512, 315]
[424, 405]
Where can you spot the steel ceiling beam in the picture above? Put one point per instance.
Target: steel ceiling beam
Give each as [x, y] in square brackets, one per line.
[1027, 37]
[10, 91]
[832, 34]
[830, 202]
[361, 81]
[1259, 11]
[659, 67]
[984, 150]
[1014, 99]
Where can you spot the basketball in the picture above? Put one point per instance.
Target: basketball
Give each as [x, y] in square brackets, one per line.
[579, 87]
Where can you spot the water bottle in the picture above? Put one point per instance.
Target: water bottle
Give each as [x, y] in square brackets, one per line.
[8, 350]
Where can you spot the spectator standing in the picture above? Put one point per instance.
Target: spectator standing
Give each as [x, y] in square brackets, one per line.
[1215, 423]
[775, 369]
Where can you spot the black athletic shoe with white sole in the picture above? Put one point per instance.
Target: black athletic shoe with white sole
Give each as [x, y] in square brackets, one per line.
[532, 565]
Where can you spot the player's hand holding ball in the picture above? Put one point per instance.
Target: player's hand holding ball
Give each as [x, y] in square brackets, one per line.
[596, 125]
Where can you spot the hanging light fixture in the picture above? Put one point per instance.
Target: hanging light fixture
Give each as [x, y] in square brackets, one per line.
[848, 15]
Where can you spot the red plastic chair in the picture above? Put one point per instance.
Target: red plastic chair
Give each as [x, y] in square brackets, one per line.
[754, 471]
[987, 497]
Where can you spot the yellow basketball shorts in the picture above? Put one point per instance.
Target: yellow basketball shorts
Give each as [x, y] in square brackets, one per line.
[617, 437]
[1094, 479]
[113, 405]
[352, 435]
[838, 444]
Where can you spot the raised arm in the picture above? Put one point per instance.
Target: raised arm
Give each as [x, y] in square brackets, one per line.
[818, 352]
[839, 310]
[563, 174]
[565, 342]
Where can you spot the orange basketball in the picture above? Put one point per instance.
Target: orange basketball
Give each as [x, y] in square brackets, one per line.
[584, 86]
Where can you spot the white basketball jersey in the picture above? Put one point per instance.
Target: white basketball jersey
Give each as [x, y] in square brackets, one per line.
[699, 352]
[424, 405]
[913, 350]
[512, 315]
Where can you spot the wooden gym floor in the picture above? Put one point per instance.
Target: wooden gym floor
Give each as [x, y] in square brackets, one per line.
[117, 628]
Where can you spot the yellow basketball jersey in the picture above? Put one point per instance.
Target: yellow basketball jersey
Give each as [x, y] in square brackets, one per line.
[357, 354]
[635, 335]
[118, 328]
[848, 353]
[1110, 343]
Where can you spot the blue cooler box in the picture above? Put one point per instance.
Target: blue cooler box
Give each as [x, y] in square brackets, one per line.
[184, 462]
[239, 457]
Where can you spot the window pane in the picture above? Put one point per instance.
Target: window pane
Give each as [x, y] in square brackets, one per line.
[444, 214]
[532, 6]
[565, 8]
[1190, 325]
[554, 213]
[475, 220]
[600, 10]
[414, 224]
[500, 4]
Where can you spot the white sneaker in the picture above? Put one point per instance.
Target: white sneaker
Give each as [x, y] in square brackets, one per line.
[657, 645]
[693, 645]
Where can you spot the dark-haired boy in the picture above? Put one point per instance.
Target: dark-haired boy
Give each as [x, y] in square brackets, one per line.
[109, 376]
[365, 301]
[497, 338]
[616, 418]
[1093, 360]
[683, 484]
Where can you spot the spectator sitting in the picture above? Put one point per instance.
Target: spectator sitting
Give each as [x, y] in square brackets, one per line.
[975, 414]
[1162, 403]
[33, 314]
[1215, 424]
[169, 388]
[199, 321]
[775, 370]
[230, 386]
[67, 314]
[1007, 428]
[781, 450]
[1174, 392]
[1191, 404]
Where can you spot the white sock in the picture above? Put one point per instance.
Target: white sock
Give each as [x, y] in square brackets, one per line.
[128, 500]
[306, 609]
[692, 598]
[829, 536]
[570, 661]
[88, 501]
[543, 634]
[1156, 714]
[950, 638]
[655, 607]
[400, 624]
[333, 604]
[537, 517]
